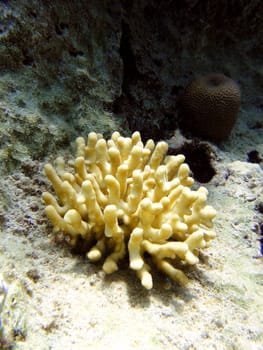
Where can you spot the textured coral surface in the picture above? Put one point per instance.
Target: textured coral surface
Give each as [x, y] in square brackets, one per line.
[210, 106]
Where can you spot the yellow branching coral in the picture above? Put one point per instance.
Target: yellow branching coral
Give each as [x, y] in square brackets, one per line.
[124, 197]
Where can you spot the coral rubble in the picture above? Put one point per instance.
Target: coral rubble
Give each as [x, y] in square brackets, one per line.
[125, 197]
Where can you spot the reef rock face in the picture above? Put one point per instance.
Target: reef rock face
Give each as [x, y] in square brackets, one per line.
[112, 65]
[166, 45]
[60, 65]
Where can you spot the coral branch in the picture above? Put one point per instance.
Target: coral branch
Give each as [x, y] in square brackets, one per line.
[123, 196]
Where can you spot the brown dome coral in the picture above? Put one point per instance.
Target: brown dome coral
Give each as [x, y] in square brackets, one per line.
[209, 106]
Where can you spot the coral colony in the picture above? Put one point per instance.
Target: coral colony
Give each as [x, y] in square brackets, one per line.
[210, 106]
[122, 197]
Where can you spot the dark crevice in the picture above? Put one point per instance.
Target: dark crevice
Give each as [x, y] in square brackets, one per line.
[254, 157]
[75, 52]
[60, 28]
[153, 123]
[199, 156]
[28, 59]
[130, 72]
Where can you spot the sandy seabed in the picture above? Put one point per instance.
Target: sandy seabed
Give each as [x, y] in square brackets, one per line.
[58, 300]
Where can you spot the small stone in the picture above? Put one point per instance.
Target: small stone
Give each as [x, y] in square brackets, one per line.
[33, 275]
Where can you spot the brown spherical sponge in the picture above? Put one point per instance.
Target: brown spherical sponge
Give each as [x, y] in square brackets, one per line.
[209, 107]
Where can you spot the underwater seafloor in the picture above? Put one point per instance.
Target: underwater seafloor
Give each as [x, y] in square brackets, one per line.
[51, 298]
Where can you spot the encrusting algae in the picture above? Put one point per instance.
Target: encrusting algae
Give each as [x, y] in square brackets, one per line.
[123, 197]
